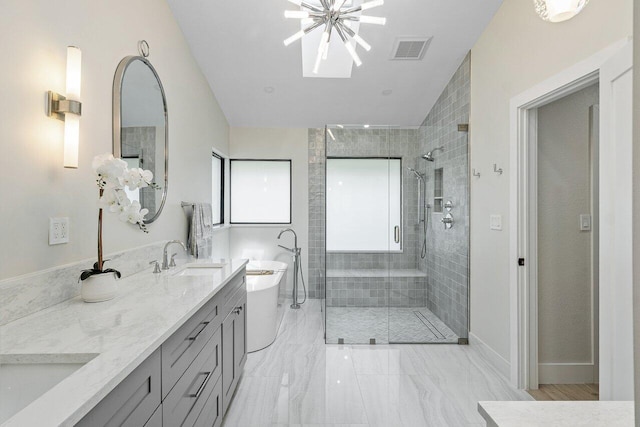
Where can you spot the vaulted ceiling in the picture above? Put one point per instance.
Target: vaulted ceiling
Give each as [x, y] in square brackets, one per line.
[258, 81]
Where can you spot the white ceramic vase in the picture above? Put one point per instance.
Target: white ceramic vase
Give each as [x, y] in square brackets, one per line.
[99, 287]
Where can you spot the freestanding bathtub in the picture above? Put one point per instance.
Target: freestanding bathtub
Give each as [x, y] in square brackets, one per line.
[264, 305]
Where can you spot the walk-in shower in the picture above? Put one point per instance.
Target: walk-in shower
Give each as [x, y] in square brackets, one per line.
[382, 267]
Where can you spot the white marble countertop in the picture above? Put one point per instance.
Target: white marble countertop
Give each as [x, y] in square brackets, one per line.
[557, 414]
[122, 333]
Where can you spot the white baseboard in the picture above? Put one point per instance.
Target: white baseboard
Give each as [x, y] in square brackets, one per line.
[566, 373]
[501, 364]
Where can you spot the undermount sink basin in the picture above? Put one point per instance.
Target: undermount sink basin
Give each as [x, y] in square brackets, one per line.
[23, 379]
[200, 269]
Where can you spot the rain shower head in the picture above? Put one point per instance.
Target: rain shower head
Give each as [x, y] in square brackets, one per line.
[429, 156]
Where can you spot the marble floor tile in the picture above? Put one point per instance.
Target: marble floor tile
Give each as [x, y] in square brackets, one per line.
[300, 381]
[254, 403]
[357, 325]
[408, 400]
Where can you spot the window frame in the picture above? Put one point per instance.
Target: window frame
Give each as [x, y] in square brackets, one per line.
[372, 251]
[231, 191]
[223, 161]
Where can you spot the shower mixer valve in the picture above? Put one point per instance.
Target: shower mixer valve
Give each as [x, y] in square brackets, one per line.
[447, 219]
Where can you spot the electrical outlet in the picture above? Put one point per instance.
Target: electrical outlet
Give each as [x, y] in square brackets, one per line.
[58, 230]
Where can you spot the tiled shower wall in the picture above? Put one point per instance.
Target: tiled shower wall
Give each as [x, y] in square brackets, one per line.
[316, 213]
[447, 260]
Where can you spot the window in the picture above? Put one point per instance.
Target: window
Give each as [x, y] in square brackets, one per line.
[364, 199]
[261, 191]
[217, 199]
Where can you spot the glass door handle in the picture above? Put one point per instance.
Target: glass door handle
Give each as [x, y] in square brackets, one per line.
[396, 233]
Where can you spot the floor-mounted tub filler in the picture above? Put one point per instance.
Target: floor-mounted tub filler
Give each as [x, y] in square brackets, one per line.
[265, 279]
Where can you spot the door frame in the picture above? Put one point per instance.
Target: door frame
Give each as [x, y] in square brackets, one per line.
[523, 206]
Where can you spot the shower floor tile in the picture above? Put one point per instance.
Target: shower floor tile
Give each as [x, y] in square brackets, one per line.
[358, 325]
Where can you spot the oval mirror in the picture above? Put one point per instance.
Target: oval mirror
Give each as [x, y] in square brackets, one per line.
[140, 128]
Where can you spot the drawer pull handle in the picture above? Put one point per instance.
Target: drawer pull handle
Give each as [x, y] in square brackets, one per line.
[203, 385]
[195, 337]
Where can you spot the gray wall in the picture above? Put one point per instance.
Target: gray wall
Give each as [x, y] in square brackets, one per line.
[564, 252]
[447, 260]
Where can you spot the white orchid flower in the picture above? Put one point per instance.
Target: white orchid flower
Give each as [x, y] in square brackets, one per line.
[113, 177]
[109, 200]
[147, 176]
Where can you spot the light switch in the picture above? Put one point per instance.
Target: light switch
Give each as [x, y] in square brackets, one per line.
[585, 222]
[495, 222]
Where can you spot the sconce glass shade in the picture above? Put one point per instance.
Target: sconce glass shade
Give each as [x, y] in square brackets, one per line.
[72, 121]
[559, 10]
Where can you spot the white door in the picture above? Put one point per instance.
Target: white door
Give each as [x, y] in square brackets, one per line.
[616, 238]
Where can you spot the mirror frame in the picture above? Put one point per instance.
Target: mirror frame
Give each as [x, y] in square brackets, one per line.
[117, 122]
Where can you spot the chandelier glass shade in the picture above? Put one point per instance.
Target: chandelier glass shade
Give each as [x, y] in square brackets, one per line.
[559, 10]
[336, 19]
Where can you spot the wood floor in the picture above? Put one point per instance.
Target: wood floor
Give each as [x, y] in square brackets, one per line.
[566, 392]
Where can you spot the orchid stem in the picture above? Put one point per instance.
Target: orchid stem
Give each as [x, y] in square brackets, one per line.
[100, 235]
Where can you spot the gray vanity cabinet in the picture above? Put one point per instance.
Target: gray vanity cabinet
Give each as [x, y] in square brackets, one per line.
[234, 347]
[186, 401]
[133, 401]
[191, 378]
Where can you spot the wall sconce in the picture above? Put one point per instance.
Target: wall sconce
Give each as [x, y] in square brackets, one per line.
[69, 108]
[559, 10]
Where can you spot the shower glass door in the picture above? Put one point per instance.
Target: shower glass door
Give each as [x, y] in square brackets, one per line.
[363, 228]
[394, 272]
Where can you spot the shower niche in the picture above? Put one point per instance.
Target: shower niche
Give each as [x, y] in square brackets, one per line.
[438, 204]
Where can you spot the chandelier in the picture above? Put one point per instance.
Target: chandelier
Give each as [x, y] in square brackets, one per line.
[559, 10]
[333, 16]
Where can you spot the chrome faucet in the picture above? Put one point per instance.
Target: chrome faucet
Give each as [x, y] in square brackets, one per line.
[295, 240]
[297, 267]
[165, 256]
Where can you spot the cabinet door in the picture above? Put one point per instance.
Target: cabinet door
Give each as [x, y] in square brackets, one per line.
[187, 399]
[133, 401]
[211, 415]
[156, 418]
[228, 360]
[234, 348]
[240, 339]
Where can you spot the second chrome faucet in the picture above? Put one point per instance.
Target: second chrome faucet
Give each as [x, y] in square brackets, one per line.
[165, 256]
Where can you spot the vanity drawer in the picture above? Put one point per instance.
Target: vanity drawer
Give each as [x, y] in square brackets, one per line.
[186, 401]
[211, 415]
[184, 345]
[133, 401]
[156, 419]
[230, 290]
[232, 302]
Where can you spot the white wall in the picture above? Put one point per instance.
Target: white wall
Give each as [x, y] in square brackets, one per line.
[565, 288]
[34, 186]
[636, 211]
[516, 51]
[260, 242]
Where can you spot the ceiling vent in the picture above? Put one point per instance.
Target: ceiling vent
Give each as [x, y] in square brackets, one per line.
[410, 48]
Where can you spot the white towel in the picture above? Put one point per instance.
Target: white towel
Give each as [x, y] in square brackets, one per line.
[201, 231]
